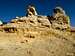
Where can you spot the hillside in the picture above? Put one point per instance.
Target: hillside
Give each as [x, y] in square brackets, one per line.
[37, 35]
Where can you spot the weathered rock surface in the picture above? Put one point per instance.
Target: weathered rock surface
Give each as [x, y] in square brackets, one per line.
[36, 36]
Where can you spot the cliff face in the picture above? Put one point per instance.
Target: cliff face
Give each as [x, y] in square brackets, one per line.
[36, 35]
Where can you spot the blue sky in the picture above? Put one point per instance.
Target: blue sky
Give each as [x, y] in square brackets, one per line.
[9, 9]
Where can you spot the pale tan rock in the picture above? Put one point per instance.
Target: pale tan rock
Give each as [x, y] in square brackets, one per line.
[36, 36]
[31, 11]
[61, 21]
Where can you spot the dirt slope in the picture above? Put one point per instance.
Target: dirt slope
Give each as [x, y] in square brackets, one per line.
[34, 36]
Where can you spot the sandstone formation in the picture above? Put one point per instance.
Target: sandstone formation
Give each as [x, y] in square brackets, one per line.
[31, 10]
[36, 35]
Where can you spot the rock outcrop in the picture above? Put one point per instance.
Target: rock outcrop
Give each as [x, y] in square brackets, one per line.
[61, 21]
[37, 35]
[58, 21]
[31, 11]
